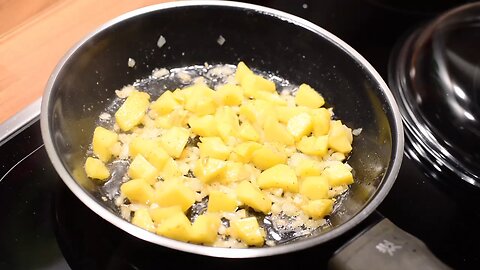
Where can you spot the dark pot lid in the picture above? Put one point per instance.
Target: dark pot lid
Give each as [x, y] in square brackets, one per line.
[435, 77]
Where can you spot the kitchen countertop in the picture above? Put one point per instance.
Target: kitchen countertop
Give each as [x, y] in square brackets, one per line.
[35, 35]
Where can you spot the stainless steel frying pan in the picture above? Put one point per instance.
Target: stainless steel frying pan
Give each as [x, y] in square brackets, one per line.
[85, 80]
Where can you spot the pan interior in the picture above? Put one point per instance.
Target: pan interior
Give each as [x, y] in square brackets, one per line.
[87, 81]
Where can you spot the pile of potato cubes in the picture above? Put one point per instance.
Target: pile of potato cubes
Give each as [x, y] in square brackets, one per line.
[256, 149]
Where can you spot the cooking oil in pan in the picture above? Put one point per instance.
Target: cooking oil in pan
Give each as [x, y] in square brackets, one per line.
[279, 227]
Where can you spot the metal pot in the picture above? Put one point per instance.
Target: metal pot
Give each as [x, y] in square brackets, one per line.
[86, 79]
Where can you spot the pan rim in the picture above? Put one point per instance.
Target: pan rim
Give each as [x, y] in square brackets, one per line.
[388, 181]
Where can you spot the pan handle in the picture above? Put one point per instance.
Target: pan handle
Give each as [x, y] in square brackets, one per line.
[385, 246]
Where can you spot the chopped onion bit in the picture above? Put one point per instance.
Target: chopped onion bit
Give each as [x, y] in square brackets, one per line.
[131, 62]
[220, 40]
[161, 41]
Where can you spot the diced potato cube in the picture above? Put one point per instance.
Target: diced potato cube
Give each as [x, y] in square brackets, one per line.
[300, 125]
[176, 118]
[267, 157]
[219, 201]
[278, 176]
[321, 121]
[186, 92]
[96, 169]
[338, 174]
[157, 157]
[198, 88]
[245, 150]
[318, 208]
[163, 122]
[205, 228]
[257, 111]
[175, 140]
[213, 147]
[209, 169]
[175, 192]
[307, 167]
[253, 83]
[314, 145]
[179, 117]
[248, 231]
[179, 95]
[148, 122]
[165, 103]
[264, 111]
[141, 168]
[229, 94]
[143, 146]
[200, 100]
[251, 195]
[315, 187]
[203, 126]
[307, 96]
[272, 97]
[242, 71]
[103, 141]
[170, 170]
[203, 106]
[277, 132]
[340, 137]
[226, 121]
[159, 214]
[176, 227]
[142, 219]
[285, 113]
[235, 171]
[138, 191]
[132, 111]
[248, 111]
[247, 132]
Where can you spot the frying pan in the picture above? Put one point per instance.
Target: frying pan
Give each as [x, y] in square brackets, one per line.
[85, 80]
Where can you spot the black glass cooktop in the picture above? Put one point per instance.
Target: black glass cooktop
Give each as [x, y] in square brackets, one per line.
[44, 226]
